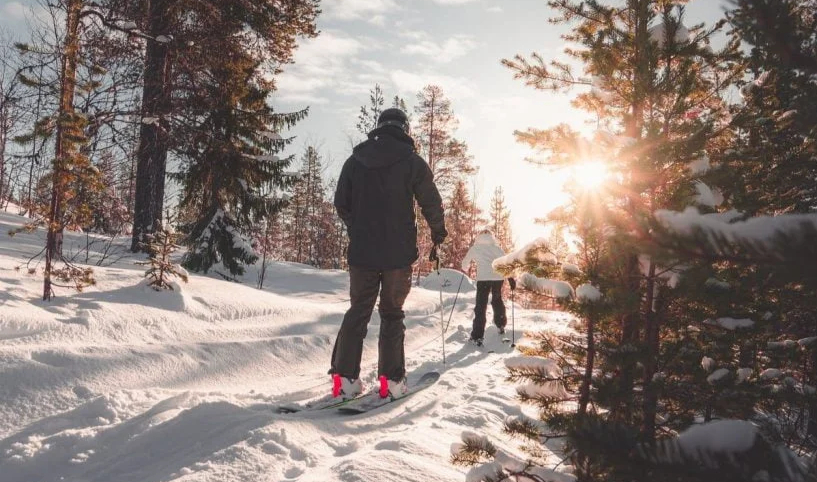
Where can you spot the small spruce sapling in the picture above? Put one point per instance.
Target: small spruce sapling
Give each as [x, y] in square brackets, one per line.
[160, 245]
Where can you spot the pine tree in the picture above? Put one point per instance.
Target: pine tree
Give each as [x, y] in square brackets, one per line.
[231, 160]
[70, 166]
[459, 226]
[500, 221]
[367, 119]
[654, 84]
[160, 245]
[447, 157]
[305, 212]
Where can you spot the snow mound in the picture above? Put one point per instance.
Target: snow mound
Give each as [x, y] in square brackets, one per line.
[449, 279]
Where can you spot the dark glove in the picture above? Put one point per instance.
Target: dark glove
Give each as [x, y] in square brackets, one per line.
[433, 256]
[512, 282]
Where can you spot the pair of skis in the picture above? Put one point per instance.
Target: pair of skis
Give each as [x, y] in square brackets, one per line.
[363, 403]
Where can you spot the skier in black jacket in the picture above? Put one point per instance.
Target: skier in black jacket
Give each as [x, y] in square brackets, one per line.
[375, 198]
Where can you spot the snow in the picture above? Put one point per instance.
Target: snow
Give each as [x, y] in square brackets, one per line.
[707, 363]
[724, 436]
[707, 196]
[786, 115]
[743, 374]
[588, 293]
[547, 368]
[731, 323]
[150, 120]
[771, 374]
[699, 166]
[571, 269]
[804, 342]
[450, 280]
[762, 229]
[717, 284]
[164, 39]
[537, 251]
[750, 88]
[120, 383]
[555, 288]
[717, 375]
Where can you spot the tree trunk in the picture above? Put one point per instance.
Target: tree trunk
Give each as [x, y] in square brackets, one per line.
[3, 137]
[650, 403]
[584, 391]
[153, 135]
[812, 411]
[63, 149]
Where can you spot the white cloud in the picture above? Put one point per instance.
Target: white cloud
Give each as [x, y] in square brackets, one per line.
[409, 83]
[453, 2]
[369, 10]
[329, 66]
[495, 9]
[449, 50]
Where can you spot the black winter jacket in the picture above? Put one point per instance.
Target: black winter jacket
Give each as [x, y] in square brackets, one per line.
[375, 198]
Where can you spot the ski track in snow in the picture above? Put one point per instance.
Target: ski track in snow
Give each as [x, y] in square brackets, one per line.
[119, 383]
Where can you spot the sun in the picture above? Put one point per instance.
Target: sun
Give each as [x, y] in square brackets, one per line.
[590, 175]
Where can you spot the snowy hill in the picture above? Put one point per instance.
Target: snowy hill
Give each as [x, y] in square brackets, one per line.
[120, 383]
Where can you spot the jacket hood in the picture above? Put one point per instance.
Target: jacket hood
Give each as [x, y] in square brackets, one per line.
[486, 238]
[386, 146]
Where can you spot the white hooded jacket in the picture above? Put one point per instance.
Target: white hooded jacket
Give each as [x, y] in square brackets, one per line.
[484, 251]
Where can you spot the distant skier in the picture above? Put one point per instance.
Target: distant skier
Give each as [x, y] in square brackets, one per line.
[484, 251]
[375, 198]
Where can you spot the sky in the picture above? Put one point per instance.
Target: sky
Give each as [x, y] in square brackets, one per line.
[457, 44]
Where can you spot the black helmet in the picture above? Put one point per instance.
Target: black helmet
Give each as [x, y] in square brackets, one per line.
[393, 117]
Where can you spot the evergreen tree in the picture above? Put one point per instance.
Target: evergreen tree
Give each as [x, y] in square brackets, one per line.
[305, 231]
[230, 161]
[447, 157]
[654, 84]
[459, 226]
[367, 119]
[500, 221]
[160, 245]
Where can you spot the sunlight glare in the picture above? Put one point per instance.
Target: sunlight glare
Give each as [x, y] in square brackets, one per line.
[591, 174]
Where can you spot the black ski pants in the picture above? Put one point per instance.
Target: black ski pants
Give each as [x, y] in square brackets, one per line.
[484, 288]
[365, 284]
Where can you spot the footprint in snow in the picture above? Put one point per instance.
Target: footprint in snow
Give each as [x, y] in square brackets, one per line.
[342, 449]
[389, 445]
[293, 472]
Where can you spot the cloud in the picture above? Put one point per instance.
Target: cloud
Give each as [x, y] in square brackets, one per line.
[445, 52]
[455, 88]
[369, 10]
[329, 63]
[495, 9]
[453, 2]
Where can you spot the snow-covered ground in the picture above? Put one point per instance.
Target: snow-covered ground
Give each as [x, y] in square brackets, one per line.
[119, 383]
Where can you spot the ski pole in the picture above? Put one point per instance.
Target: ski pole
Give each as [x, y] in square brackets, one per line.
[436, 259]
[513, 318]
[451, 313]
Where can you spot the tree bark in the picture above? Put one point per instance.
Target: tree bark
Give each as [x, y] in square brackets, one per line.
[584, 391]
[151, 156]
[652, 338]
[63, 149]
